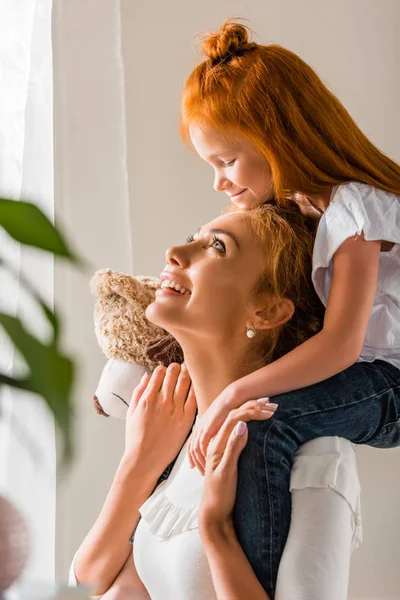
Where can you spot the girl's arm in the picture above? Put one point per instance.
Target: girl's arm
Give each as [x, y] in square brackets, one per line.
[338, 345]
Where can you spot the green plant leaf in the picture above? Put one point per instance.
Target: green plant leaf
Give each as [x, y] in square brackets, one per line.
[51, 316]
[27, 224]
[51, 375]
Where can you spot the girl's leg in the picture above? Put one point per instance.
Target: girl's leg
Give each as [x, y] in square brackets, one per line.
[361, 404]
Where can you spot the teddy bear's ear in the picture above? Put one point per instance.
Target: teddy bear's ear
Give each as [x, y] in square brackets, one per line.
[135, 290]
[164, 350]
[98, 407]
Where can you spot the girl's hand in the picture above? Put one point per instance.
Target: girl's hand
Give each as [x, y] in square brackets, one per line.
[159, 418]
[212, 420]
[206, 427]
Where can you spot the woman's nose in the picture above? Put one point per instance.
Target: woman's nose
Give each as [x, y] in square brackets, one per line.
[220, 182]
[176, 256]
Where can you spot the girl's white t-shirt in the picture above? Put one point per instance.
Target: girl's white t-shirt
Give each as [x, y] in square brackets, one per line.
[357, 208]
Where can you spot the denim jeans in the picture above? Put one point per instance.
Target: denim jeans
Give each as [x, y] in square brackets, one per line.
[361, 404]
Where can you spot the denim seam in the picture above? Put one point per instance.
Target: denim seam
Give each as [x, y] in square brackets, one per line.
[395, 389]
[271, 509]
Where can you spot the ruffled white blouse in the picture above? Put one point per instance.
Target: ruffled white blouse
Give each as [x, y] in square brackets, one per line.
[357, 208]
[168, 552]
[325, 528]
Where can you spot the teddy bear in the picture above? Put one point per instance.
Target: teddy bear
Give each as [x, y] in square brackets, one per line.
[131, 343]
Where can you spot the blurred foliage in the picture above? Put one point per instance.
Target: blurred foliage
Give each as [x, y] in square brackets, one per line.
[51, 372]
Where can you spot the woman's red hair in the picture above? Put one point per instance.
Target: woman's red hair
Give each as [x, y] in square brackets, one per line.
[275, 100]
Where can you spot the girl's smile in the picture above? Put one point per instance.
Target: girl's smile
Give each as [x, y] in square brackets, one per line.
[239, 169]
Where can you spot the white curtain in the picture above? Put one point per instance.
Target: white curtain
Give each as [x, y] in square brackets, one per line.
[27, 440]
[92, 202]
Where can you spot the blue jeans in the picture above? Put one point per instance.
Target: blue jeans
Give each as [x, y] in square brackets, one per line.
[361, 404]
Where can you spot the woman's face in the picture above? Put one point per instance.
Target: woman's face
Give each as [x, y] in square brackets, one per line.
[240, 170]
[215, 273]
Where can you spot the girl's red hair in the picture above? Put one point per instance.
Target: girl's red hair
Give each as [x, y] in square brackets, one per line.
[276, 101]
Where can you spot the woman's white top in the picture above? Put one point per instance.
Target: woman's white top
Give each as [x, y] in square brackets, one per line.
[325, 528]
[168, 551]
[357, 208]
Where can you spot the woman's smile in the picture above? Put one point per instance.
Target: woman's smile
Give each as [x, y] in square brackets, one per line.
[167, 291]
[172, 284]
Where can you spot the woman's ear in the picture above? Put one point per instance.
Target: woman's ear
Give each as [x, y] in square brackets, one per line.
[276, 314]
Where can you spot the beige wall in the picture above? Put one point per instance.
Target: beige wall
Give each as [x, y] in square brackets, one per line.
[354, 45]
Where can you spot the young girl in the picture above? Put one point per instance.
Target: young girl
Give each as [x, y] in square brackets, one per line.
[268, 126]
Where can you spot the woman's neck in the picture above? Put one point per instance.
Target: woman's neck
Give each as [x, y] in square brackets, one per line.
[213, 369]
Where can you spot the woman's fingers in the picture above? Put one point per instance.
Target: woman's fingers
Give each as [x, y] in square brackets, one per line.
[138, 391]
[258, 410]
[235, 444]
[182, 386]
[157, 379]
[170, 381]
[250, 411]
[253, 410]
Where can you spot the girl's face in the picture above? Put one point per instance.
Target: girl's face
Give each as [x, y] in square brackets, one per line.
[218, 268]
[239, 169]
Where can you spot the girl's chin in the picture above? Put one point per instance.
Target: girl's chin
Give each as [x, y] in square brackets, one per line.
[246, 202]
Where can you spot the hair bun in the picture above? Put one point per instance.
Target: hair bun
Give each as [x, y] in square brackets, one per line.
[228, 41]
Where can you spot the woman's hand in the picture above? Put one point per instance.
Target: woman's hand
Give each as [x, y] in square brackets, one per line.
[232, 574]
[220, 481]
[159, 418]
[214, 417]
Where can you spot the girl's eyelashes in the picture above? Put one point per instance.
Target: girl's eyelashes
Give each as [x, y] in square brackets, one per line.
[189, 239]
[230, 163]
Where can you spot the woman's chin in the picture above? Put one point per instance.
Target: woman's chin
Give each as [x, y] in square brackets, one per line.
[159, 313]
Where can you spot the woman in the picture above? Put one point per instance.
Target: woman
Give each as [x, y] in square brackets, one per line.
[185, 546]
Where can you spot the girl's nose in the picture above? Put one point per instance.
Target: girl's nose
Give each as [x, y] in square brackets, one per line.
[220, 182]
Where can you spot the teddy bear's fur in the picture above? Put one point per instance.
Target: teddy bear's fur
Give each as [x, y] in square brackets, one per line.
[132, 344]
[121, 327]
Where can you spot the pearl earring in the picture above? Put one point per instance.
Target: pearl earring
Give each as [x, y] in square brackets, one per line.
[250, 331]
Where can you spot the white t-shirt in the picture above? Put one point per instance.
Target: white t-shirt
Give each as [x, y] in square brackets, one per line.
[357, 208]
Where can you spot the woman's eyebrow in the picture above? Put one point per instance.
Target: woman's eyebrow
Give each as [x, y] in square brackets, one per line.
[224, 232]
